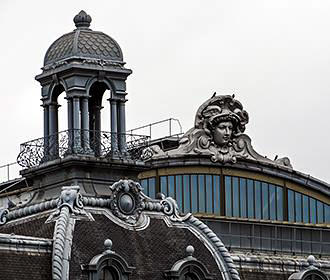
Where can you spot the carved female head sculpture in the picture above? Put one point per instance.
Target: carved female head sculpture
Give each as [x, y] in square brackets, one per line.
[222, 133]
[221, 124]
[222, 118]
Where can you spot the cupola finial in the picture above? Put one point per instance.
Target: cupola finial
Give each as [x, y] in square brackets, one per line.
[82, 19]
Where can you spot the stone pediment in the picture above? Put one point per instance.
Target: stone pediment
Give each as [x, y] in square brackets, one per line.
[218, 133]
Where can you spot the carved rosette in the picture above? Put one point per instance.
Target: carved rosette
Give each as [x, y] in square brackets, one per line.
[126, 201]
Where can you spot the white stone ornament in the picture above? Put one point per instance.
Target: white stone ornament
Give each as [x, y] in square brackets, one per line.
[219, 133]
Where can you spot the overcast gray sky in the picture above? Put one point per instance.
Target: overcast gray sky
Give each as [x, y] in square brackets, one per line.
[273, 54]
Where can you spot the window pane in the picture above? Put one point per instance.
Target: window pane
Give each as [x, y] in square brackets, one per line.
[178, 190]
[272, 209]
[194, 186]
[201, 189]
[144, 185]
[186, 189]
[228, 196]
[163, 185]
[216, 193]
[320, 212]
[209, 190]
[257, 196]
[279, 204]
[291, 206]
[312, 210]
[327, 213]
[305, 209]
[298, 207]
[171, 186]
[235, 197]
[265, 201]
[152, 187]
[250, 199]
[242, 183]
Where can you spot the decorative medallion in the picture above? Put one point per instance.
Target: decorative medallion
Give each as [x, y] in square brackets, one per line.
[126, 200]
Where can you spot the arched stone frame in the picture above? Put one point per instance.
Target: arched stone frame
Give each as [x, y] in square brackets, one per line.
[194, 267]
[111, 260]
[309, 274]
[312, 272]
[117, 110]
[50, 105]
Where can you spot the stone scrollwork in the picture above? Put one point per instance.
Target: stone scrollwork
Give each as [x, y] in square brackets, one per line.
[171, 209]
[72, 199]
[151, 151]
[219, 133]
[126, 201]
[3, 215]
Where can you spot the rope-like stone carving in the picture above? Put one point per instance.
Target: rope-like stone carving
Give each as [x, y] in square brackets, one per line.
[96, 202]
[59, 243]
[221, 249]
[32, 209]
[70, 203]
[8, 215]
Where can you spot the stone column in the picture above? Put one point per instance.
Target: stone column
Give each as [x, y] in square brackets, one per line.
[98, 117]
[97, 130]
[53, 130]
[76, 125]
[46, 131]
[70, 124]
[114, 125]
[122, 126]
[85, 124]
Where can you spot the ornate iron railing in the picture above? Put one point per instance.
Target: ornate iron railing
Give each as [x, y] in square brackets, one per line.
[81, 142]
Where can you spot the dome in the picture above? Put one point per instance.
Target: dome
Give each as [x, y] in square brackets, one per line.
[83, 43]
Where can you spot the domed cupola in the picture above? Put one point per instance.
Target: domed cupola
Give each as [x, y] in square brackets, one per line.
[84, 64]
[83, 43]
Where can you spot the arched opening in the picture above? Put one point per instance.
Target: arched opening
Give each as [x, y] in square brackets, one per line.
[98, 120]
[51, 120]
[105, 121]
[190, 276]
[62, 113]
[108, 273]
[53, 109]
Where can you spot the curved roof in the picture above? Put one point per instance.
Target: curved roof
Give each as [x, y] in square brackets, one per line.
[140, 228]
[83, 43]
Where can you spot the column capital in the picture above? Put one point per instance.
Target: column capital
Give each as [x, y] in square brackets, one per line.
[122, 101]
[49, 103]
[113, 100]
[98, 107]
[85, 98]
[54, 104]
[79, 94]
